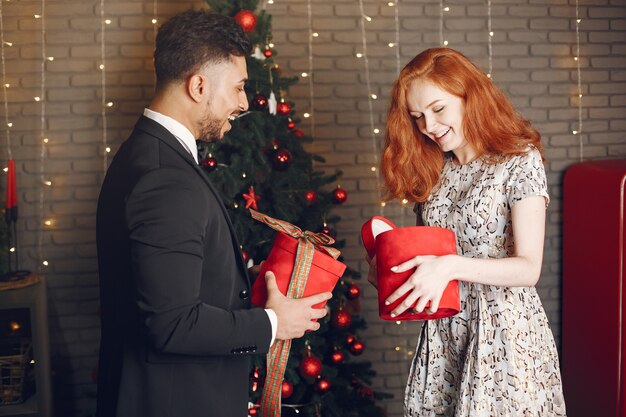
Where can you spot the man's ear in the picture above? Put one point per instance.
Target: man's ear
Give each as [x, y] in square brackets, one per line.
[197, 87]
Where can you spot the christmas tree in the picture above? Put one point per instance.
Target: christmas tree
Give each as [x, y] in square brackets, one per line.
[262, 164]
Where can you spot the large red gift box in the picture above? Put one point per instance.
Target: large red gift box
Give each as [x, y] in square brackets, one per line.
[392, 246]
[324, 269]
[323, 275]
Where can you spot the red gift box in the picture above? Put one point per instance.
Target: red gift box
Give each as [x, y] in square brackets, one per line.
[324, 274]
[393, 246]
[324, 269]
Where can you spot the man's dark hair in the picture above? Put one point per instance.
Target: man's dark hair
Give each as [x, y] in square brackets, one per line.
[193, 38]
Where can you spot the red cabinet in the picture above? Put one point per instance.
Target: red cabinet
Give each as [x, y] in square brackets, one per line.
[594, 310]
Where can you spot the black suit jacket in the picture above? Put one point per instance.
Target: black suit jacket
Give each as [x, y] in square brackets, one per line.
[177, 327]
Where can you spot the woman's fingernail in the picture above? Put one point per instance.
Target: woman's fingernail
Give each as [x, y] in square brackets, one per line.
[394, 268]
[393, 314]
[387, 303]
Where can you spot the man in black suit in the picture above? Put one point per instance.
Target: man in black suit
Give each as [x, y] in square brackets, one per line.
[177, 325]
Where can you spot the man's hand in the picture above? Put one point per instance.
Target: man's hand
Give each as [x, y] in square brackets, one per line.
[294, 315]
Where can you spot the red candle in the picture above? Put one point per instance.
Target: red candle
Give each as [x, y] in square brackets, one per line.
[11, 186]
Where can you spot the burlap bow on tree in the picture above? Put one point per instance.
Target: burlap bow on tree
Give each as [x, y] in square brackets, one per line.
[279, 352]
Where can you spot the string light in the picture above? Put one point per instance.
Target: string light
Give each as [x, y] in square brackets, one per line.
[441, 40]
[371, 96]
[397, 44]
[5, 85]
[310, 50]
[579, 85]
[155, 19]
[489, 38]
[105, 104]
[42, 133]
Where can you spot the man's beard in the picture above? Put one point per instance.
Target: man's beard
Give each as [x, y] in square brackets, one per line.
[210, 129]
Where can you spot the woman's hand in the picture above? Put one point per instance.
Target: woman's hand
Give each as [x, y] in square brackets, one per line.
[371, 275]
[426, 284]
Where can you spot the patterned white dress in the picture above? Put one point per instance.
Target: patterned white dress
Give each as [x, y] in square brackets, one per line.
[497, 357]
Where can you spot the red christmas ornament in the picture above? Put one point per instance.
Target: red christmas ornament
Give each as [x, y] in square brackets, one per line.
[322, 385]
[341, 319]
[311, 197]
[287, 389]
[268, 53]
[283, 108]
[291, 124]
[338, 356]
[246, 19]
[246, 258]
[365, 392]
[281, 159]
[209, 164]
[339, 195]
[349, 339]
[328, 231]
[353, 292]
[310, 367]
[259, 102]
[251, 198]
[253, 411]
[356, 347]
[298, 133]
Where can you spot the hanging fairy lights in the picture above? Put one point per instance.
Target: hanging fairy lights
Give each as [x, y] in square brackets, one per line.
[490, 39]
[579, 86]
[371, 96]
[310, 73]
[104, 103]
[45, 222]
[442, 10]
[5, 86]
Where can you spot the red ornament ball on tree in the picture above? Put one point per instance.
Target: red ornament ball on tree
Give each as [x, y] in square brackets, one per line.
[349, 339]
[282, 159]
[310, 367]
[341, 319]
[356, 347]
[298, 133]
[340, 195]
[283, 108]
[245, 256]
[322, 385]
[291, 124]
[310, 196]
[252, 411]
[246, 19]
[328, 231]
[268, 53]
[287, 389]
[259, 102]
[353, 292]
[209, 163]
[338, 356]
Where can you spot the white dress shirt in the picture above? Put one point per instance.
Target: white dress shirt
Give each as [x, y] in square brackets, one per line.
[186, 139]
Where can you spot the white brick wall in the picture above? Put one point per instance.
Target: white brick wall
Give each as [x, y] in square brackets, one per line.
[533, 62]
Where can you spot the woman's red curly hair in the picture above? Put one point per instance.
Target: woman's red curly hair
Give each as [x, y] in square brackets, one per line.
[411, 163]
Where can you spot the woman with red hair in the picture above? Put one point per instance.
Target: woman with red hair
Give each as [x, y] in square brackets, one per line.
[456, 146]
